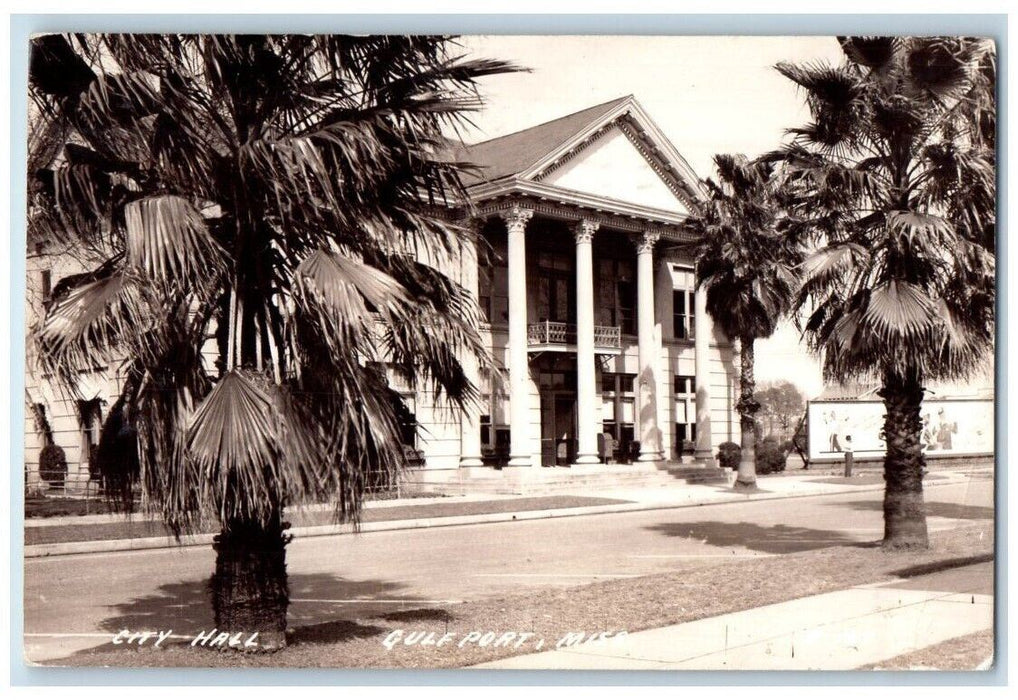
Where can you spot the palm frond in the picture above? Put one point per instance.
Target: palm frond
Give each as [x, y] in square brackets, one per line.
[167, 238]
[875, 52]
[273, 196]
[89, 322]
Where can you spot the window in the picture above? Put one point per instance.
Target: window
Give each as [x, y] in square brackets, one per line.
[485, 430]
[683, 302]
[90, 425]
[406, 418]
[556, 288]
[46, 283]
[685, 385]
[493, 286]
[616, 295]
[685, 414]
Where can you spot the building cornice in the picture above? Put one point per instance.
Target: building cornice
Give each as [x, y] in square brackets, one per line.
[558, 202]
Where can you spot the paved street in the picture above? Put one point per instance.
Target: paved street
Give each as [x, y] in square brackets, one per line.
[77, 601]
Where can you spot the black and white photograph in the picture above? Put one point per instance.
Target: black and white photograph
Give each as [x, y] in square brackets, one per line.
[510, 352]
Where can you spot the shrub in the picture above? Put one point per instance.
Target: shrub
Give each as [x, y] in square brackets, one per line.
[787, 447]
[729, 454]
[53, 465]
[770, 457]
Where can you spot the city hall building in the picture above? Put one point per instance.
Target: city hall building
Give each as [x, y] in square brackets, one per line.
[603, 348]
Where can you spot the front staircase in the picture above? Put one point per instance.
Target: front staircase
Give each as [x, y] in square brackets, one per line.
[558, 480]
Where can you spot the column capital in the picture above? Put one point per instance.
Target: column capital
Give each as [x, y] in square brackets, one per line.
[646, 240]
[585, 230]
[516, 216]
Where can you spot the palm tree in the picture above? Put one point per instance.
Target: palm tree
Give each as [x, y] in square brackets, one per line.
[745, 266]
[263, 203]
[897, 174]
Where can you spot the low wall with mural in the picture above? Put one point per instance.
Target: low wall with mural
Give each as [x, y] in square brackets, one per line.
[951, 428]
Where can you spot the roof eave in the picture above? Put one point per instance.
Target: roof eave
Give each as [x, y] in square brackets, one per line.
[509, 187]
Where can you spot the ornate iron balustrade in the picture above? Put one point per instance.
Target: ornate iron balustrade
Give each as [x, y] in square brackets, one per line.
[607, 336]
[558, 333]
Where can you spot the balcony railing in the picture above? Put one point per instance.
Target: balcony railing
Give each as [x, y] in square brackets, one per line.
[558, 333]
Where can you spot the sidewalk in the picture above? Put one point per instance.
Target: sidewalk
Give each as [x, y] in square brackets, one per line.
[842, 630]
[102, 533]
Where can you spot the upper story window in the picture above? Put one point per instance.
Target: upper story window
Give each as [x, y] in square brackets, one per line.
[616, 294]
[683, 302]
[493, 285]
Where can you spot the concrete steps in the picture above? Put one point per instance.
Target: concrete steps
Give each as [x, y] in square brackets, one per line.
[699, 475]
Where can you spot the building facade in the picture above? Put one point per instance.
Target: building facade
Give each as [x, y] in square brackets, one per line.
[604, 349]
[602, 346]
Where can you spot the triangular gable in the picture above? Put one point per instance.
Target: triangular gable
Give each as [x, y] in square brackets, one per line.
[611, 166]
[651, 144]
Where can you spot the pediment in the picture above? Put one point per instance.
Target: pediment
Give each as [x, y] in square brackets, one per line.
[612, 166]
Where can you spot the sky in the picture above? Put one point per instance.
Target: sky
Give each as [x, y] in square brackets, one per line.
[708, 95]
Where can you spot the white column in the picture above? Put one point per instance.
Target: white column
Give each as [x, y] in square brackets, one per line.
[470, 425]
[586, 388]
[520, 447]
[650, 354]
[701, 352]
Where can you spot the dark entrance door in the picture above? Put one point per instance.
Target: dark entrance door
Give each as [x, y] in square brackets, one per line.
[565, 429]
[558, 428]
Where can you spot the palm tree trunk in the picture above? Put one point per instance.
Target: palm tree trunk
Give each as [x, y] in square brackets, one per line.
[249, 588]
[747, 407]
[904, 508]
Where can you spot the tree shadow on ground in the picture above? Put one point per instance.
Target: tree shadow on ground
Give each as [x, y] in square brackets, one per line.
[935, 509]
[418, 615]
[773, 539]
[332, 632]
[322, 609]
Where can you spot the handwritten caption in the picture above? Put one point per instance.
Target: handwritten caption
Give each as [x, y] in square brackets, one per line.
[494, 640]
[397, 638]
[206, 638]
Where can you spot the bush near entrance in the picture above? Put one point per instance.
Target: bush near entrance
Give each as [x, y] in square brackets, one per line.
[770, 457]
[729, 454]
[53, 465]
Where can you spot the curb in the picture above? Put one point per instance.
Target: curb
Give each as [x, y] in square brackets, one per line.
[96, 546]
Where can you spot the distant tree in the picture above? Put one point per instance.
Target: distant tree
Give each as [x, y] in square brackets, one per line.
[897, 172]
[781, 404]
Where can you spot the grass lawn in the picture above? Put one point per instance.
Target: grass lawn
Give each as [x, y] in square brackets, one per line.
[147, 528]
[623, 604]
[57, 506]
[60, 506]
[967, 653]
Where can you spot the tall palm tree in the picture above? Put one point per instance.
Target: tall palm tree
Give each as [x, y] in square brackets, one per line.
[897, 172]
[745, 266]
[263, 203]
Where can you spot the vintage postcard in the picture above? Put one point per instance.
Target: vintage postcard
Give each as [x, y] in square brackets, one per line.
[658, 353]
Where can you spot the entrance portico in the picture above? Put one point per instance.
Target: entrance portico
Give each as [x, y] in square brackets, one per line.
[552, 307]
